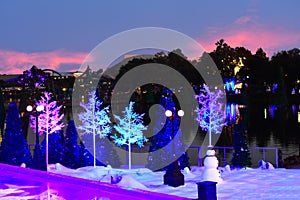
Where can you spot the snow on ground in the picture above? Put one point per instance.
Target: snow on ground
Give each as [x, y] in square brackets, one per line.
[237, 184]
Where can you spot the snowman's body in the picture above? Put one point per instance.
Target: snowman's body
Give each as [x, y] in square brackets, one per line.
[211, 172]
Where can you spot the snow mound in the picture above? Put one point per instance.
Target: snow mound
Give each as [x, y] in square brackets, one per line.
[197, 170]
[128, 181]
[187, 173]
[266, 165]
[121, 177]
[225, 170]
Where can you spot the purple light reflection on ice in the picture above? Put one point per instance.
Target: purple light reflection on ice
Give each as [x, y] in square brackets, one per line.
[24, 183]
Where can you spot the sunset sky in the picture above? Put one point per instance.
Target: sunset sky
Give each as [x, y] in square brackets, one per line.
[58, 34]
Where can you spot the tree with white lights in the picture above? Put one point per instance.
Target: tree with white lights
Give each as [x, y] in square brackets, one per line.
[95, 120]
[130, 129]
[210, 114]
[50, 120]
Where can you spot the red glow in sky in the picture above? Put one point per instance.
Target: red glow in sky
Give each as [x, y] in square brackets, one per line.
[16, 62]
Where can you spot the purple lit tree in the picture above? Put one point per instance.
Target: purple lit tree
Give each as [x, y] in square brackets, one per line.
[211, 113]
[30, 81]
[95, 120]
[32, 78]
[130, 129]
[50, 121]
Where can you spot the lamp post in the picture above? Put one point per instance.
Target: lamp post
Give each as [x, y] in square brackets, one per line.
[36, 111]
[173, 176]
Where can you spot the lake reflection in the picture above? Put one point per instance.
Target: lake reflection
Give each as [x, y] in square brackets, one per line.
[268, 126]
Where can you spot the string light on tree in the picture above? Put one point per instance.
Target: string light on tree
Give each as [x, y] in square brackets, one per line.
[130, 128]
[50, 120]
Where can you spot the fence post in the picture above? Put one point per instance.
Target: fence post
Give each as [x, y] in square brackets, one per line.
[199, 156]
[276, 157]
[225, 161]
[264, 155]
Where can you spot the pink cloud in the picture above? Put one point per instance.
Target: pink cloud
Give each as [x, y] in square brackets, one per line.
[271, 41]
[13, 62]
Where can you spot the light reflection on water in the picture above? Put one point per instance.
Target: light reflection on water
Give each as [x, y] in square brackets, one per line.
[270, 126]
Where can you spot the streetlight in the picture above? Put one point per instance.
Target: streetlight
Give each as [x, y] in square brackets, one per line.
[36, 111]
[173, 176]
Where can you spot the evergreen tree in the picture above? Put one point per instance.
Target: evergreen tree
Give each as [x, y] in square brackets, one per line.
[105, 152]
[71, 157]
[86, 158]
[241, 156]
[130, 129]
[163, 136]
[55, 148]
[2, 114]
[14, 148]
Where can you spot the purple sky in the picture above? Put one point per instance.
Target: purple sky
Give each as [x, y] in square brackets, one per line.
[59, 34]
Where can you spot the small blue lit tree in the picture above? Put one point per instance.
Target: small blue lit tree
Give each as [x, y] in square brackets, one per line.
[211, 113]
[14, 148]
[95, 120]
[49, 121]
[130, 128]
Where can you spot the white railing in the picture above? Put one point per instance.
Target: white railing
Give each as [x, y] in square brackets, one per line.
[224, 150]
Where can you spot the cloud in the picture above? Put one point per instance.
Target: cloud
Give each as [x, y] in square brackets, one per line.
[251, 32]
[244, 20]
[13, 62]
[271, 41]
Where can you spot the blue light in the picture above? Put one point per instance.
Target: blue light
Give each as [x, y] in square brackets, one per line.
[230, 86]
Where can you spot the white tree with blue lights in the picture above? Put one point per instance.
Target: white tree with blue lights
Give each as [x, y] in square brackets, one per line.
[130, 128]
[211, 117]
[211, 113]
[50, 120]
[95, 120]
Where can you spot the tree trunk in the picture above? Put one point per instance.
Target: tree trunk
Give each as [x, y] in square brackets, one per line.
[129, 156]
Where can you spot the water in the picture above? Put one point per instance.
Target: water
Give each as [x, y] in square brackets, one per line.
[270, 126]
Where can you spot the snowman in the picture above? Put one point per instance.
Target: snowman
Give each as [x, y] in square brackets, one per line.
[211, 172]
